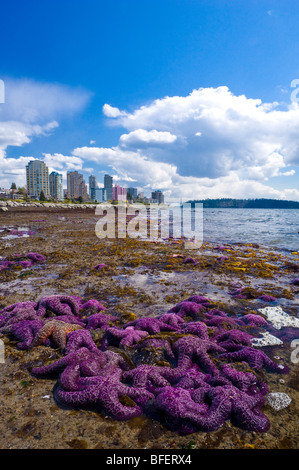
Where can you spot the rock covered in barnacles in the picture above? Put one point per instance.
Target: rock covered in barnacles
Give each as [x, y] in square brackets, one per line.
[278, 400]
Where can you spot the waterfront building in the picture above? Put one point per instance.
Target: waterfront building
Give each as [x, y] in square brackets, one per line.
[37, 177]
[56, 186]
[132, 193]
[76, 186]
[93, 184]
[158, 197]
[100, 195]
[119, 193]
[108, 186]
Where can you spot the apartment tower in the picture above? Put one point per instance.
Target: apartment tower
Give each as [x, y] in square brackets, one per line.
[76, 186]
[56, 186]
[108, 186]
[37, 176]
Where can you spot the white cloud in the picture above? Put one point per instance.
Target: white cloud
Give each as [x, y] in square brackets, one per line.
[141, 137]
[209, 143]
[31, 109]
[30, 101]
[236, 133]
[112, 112]
[145, 173]
[63, 162]
[130, 166]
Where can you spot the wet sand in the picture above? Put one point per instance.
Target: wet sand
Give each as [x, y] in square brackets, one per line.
[142, 278]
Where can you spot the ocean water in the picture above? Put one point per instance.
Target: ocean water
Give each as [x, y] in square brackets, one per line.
[273, 228]
[270, 228]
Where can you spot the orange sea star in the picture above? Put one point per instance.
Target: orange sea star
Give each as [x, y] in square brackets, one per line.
[57, 330]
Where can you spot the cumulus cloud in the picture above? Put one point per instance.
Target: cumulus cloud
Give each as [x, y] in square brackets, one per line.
[142, 137]
[63, 162]
[112, 112]
[216, 132]
[32, 109]
[133, 167]
[130, 166]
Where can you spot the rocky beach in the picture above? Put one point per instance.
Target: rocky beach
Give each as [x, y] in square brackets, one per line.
[252, 288]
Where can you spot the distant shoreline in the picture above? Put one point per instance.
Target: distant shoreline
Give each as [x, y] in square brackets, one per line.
[227, 203]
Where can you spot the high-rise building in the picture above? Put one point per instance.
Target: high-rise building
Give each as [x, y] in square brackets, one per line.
[56, 186]
[132, 193]
[119, 193]
[100, 195]
[76, 186]
[37, 176]
[158, 196]
[93, 184]
[108, 185]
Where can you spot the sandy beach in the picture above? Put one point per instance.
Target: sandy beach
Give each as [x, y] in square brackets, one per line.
[140, 279]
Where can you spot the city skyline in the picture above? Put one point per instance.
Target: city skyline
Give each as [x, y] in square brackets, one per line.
[39, 181]
[198, 99]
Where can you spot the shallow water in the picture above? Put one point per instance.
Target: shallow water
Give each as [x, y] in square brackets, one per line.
[277, 228]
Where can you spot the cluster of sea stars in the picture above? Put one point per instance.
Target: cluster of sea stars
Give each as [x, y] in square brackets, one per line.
[194, 367]
[25, 261]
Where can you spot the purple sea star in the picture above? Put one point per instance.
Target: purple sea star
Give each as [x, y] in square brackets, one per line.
[255, 358]
[192, 348]
[267, 298]
[187, 308]
[252, 320]
[126, 337]
[144, 375]
[78, 339]
[36, 257]
[104, 393]
[151, 325]
[193, 379]
[26, 264]
[242, 380]
[199, 299]
[98, 267]
[98, 320]
[59, 304]
[92, 363]
[172, 319]
[187, 412]
[199, 329]
[190, 261]
[18, 312]
[233, 339]
[25, 332]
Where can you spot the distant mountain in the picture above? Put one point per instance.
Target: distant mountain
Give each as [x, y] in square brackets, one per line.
[227, 203]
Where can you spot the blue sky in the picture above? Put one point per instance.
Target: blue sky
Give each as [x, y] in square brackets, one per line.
[192, 97]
